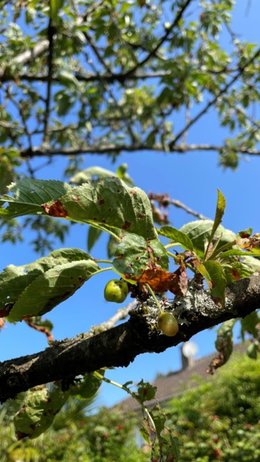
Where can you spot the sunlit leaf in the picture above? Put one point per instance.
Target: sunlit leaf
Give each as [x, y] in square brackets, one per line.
[177, 236]
[51, 288]
[217, 278]
[200, 231]
[134, 255]
[15, 280]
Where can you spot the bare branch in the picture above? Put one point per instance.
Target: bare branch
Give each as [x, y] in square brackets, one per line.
[118, 148]
[120, 345]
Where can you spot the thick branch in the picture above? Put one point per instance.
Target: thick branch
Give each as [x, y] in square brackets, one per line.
[117, 148]
[105, 77]
[120, 345]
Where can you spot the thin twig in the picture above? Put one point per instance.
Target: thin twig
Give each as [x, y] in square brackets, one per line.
[215, 99]
[50, 32]
[120, 314]
[162, 40]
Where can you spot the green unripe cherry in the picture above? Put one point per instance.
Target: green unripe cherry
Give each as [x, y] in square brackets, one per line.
[168, 324]
[116, 291]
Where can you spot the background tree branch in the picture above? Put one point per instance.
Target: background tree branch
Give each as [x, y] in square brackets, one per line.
[120, 345]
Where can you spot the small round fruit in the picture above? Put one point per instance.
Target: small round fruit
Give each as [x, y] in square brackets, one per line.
[116, 291]
[168, 324]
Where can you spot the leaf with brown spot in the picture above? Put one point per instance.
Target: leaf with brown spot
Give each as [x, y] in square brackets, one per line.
[56, 209]
[134, 255]
[161, 280]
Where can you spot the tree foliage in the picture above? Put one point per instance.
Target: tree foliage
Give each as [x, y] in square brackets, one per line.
[217, 420]
[76, 79]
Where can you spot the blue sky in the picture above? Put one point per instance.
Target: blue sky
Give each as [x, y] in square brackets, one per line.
[193, 179]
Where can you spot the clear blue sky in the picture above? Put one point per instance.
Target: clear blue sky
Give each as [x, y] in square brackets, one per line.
[193, 179]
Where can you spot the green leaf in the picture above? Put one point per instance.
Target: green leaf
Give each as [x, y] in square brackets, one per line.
[108, 202]
[51, 288]
[6, 174]
[252, 263]
[252, 350]
[87, 387]
[93, 235]
[218, 279]
[99, 172]
[68, 79]
[221, 205]
[176, 236]
[28, 195]
[15, 279]
[200, 231]
[121, 172]
[55, 6]
[38, 410]
[249, 323]
[145, 392]
[91, 173]
[134, 255]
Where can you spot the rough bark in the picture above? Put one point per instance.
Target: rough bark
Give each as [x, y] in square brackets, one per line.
[120, 345]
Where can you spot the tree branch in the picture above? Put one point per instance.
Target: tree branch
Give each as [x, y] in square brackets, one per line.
[50, 31]
[27, 56]
[120, 345]
[104, 77]
[213, 101]
[118, 148]
[162, 40]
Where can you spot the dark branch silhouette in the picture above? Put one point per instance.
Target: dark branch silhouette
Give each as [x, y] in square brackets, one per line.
[118, 346]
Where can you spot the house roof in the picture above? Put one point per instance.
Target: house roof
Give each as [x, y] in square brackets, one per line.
[175, 383]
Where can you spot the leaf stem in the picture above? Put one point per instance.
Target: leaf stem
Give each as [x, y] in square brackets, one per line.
[100, 260]
[102, 270]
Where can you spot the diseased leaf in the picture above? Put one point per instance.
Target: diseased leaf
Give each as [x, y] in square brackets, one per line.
[177, 237]
[38, 410]
[224, 345]
[51, 288]
[110, 203]
[161, 280]
[27, 195]
[107, 203]
[15, 279]
[199, 232]
[134, 255]
[40, 405]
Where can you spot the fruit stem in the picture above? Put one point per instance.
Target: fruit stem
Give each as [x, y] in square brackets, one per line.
[154, 297]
